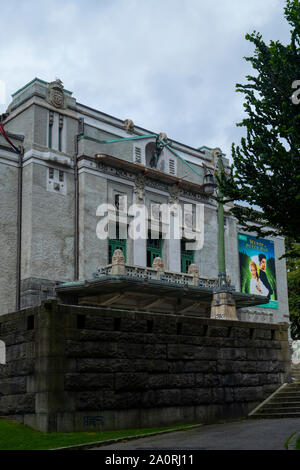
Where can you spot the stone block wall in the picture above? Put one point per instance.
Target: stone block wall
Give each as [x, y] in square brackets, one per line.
[82, 368]
[18, 333]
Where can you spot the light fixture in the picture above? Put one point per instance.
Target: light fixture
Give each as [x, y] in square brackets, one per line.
[209, 184]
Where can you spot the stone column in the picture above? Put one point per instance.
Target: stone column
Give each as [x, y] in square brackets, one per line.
[223, 306]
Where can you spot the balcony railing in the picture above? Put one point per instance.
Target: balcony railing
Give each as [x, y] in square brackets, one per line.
[156, 272]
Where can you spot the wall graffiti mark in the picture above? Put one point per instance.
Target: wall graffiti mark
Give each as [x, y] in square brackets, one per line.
[2, 352]
[93, 421]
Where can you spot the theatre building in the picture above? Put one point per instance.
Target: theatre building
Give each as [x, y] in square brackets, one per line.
[110, 241]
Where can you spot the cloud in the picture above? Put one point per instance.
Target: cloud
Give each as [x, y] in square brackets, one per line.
[170, 65]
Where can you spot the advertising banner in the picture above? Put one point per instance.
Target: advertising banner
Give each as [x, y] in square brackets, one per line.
[257, 268]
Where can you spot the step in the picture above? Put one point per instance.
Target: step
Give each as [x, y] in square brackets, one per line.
[288, 396]
[279, 409]
[275, 415]
[276, 402]
[294, 404]
[293, 385]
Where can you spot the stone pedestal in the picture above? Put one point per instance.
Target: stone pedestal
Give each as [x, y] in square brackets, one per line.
[118, 263]
[194, 271]
[223, 306]
[158, 264]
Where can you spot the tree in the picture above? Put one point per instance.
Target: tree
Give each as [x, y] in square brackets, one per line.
[293, 278]
[265, 175]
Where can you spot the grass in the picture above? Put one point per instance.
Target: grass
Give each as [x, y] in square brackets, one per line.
[16, 436]
[291, 443]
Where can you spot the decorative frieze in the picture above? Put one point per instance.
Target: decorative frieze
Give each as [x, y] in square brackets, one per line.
[139, 188]
[152, 183]
[191, 195]
[116, 171]
[174, 192]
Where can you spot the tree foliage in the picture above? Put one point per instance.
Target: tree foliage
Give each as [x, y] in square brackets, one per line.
[266, 164]
[293, 278]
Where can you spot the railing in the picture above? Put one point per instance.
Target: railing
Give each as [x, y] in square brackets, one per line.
[156, 272]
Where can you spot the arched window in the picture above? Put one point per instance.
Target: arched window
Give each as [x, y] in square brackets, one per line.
[149, 152]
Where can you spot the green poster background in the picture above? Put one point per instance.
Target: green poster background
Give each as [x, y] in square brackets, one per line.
[249, 249]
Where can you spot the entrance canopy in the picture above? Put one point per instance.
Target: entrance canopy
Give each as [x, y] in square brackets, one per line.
[134, 293]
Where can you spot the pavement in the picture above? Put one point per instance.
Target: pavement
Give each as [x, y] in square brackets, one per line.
[252, 434]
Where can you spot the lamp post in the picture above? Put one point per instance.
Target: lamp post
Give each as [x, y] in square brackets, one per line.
[221, 239]
[223, 304]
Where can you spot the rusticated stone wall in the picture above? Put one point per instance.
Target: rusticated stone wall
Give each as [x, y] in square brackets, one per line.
[80, 368]
[16, 397]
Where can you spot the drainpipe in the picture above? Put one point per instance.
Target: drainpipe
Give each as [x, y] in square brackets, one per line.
[76, 200]
[221, 240]
[76, 213]
[19, 228]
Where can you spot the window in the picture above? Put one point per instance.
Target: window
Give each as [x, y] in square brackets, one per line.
[50, 128]
[113, 245]
[60, 127]
[56, 181]
[172, 166]
[138, 154]
[187, 257]
[116, 244]
[150, 148]
[120, 201]
[154, 250]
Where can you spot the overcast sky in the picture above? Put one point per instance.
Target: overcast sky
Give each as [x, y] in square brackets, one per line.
[169, 65]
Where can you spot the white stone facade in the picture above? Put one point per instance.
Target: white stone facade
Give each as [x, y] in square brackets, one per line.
[62, 184]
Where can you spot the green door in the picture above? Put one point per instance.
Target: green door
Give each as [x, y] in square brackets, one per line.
[116, 244]
[187, 257]
[154, 250]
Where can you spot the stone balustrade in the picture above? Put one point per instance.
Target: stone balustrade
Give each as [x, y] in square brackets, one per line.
[157, 271]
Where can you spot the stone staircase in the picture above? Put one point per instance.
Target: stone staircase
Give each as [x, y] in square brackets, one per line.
[283, 403]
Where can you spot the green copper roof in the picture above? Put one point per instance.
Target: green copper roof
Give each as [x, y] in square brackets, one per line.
[36, 80]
